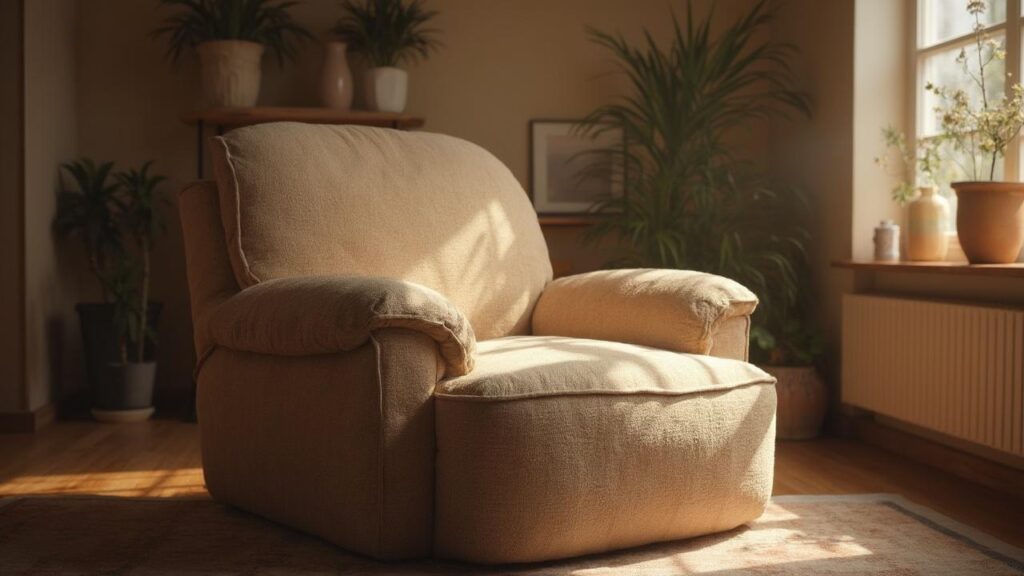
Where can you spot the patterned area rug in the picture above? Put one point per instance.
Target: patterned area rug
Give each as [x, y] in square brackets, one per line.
[819, 535]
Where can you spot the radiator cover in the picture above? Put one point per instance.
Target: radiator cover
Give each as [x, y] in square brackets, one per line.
[954, 368]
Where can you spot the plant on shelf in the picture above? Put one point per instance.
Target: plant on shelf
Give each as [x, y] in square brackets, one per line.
[230, 37]
[689, 201]
[387, 33]
[979, 122]
[105, 209]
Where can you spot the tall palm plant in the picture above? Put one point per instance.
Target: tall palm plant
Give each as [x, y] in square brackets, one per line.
[143, 220]
[689, 201]
[90, 209]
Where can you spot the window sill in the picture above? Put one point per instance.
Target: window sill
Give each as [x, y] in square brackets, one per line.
[956, 268]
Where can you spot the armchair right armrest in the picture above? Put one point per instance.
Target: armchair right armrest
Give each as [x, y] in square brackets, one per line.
[680, 310]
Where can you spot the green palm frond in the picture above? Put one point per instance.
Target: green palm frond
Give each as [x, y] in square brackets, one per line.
[689, 201]
[388, 32]
[267, 22]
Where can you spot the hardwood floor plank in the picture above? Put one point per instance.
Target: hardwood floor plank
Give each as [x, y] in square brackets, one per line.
[161, 458]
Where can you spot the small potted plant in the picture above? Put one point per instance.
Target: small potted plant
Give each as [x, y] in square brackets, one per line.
[979, 127]
[387, 33]
[928, 211]
[230, 37]
[105, 209]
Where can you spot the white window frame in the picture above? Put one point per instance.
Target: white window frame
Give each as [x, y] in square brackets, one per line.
[1012, 31]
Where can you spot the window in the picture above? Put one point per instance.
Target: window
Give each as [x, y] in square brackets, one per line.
[943, 29]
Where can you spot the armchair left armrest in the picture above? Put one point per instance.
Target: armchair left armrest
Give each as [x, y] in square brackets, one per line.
[684, 311]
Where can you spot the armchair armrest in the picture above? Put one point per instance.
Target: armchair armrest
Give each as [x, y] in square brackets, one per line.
[324, 314]
[672, 309]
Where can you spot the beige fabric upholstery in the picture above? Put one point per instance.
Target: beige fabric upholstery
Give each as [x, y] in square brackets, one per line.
[338, 445]
[672, 309]
[303, 200]
[554, 447]
[337, 274]
[306, 316]
[210, 281]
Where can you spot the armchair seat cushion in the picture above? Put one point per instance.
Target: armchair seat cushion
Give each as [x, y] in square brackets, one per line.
[554, 447]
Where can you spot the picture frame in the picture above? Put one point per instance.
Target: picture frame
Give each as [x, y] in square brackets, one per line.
[555, 162]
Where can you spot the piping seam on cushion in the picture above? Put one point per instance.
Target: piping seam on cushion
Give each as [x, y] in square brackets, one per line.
[238, 213]
[567, 393]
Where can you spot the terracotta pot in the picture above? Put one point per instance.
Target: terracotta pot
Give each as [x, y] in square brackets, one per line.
[802, 401]
[927, 223]
[990, 220]
[230, 73]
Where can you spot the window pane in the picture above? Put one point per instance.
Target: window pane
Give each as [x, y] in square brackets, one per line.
[944, 19]
[942, 69]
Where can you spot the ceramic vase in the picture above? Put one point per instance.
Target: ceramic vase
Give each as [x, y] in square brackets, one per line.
[230, 73]
[990, 220]
[927, 224]
[386, 89]
[802, 401]
[336, 78]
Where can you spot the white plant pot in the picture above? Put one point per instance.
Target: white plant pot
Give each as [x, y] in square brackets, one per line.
[336, 77]
[230, 73]
[386, 89]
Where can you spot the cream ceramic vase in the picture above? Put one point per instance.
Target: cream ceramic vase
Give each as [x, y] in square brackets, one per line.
[990, 220]
[927, 222]
[336, 89]
[230, 73]
[386, 89]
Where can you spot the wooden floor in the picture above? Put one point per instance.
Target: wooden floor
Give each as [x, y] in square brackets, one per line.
[161, 458]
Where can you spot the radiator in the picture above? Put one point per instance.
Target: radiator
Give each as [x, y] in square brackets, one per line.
[956, 369]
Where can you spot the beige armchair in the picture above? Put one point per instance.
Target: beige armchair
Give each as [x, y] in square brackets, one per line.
[385, 361]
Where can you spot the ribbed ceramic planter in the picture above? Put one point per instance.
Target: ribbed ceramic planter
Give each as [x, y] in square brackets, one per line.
[990, 220]
[231, 72]
[802, 401]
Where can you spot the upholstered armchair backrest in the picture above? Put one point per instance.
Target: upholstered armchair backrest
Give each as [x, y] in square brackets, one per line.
[305, 200]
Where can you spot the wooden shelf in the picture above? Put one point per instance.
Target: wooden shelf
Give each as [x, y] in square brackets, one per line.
[955, 268]
[565, 221]
[237, 117]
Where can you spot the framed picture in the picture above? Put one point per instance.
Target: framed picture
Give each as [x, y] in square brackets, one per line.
[557, 157]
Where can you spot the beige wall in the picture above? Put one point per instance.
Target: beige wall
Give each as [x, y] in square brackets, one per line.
[504, 62]
[11, 287]
[51, 137]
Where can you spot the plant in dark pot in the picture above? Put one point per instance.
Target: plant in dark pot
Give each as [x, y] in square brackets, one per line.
[105, 211]
[230, 37]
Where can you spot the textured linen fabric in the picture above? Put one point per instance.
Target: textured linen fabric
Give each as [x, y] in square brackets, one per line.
[731, 339]
[337, 445]
[673, 309]
[555, 447]
[306, 316]
[305, 200]
[210, 281]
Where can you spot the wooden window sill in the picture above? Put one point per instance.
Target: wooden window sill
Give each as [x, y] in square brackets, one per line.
[954, 268]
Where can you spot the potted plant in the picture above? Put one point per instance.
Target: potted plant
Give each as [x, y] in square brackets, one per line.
[928, 212]
[230, 37]
[979, 127]
[104, 209]
[787, 346]
[689, 202]
[387, 33]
